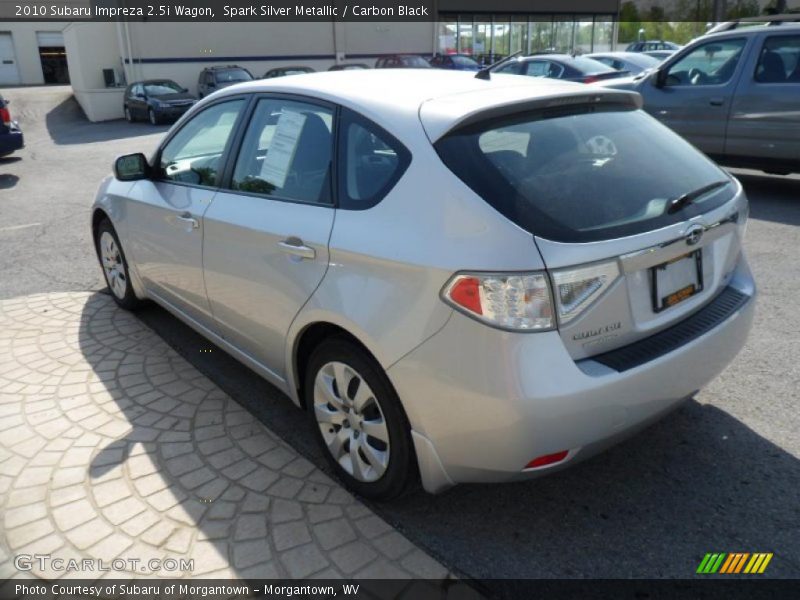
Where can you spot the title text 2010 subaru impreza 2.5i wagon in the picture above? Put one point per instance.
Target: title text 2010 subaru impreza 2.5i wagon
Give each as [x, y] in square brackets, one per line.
[477, 280]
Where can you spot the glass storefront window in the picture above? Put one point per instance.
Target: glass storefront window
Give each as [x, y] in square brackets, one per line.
[502, 36]
[490, 37]
[584, 27]
[564, 35]
[519, 35]
[465, 35]
[603, 34]
[482, 46]
[447, 34]
[541, 39]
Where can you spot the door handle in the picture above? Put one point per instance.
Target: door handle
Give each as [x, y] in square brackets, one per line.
[716, 101]
[296, 247]
[188, 219]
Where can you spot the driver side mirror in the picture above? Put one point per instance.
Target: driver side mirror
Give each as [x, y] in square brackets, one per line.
[660, 78]
[131, 167]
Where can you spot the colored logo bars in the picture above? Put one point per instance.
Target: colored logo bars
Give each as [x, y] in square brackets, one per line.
[734, 563]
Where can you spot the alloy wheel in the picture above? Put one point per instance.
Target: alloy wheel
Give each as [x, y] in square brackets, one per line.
[113, 267]
[351, 421]
[152, 115]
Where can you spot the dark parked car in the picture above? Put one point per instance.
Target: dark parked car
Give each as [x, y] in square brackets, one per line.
[348, 67]
[659, 54]
[156, 100]
[632, 62]
[10, 134]
[455, 62]
[283, 71]
[215, 78]
[559, 66]
[402, 61]
[647, 46]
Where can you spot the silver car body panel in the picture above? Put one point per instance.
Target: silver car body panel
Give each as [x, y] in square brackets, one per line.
[481, 402]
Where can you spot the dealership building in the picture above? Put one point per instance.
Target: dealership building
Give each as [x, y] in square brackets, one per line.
[98, 58]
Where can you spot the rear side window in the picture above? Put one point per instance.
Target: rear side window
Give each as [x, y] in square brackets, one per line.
[371, 161]
[779, 61]
[583, 174]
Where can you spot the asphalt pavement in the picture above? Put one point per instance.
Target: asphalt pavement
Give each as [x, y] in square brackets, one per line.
[721, 474]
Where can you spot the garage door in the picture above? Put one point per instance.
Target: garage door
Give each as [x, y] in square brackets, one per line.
[50, 38]
[9, 74]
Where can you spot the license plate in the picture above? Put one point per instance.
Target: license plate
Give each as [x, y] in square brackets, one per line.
[677, 280]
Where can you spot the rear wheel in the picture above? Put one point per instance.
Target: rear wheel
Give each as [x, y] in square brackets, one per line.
[115, 266]
[358, 419]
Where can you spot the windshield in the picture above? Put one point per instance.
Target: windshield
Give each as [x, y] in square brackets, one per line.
[161, 88]
[583, 174]
[416, 62]
[232, 75]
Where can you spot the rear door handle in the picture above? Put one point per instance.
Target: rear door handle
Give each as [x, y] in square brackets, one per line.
[188, 219]
[296, 247]
[716, 101]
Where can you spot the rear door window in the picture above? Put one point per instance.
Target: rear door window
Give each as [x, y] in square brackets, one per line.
[584, 173]
[779, 61]
[287, 152]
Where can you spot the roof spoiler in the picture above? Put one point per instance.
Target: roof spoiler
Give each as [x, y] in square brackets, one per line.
[438, 123]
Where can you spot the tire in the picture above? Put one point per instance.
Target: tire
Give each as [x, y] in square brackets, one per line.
[128, 115]
[115, 266]
[153, 117]
[378, 469]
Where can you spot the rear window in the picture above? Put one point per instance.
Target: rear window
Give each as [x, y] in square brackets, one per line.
[588, 66]
[232, 75]
[584, 173]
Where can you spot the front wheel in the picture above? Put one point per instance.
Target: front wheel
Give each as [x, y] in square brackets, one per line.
[115, 266]
[152, 116]
[358, 420]
[128, 115]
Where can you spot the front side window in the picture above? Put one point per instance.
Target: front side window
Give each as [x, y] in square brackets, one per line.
[287, 152]
[371, 162]
[779, 61]
[194, 154]
[583, 174]
[712, 63]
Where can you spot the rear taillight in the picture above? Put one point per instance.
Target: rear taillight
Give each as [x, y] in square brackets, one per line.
[577, 288]
[513, 301]
[5, 116]
[590, 79]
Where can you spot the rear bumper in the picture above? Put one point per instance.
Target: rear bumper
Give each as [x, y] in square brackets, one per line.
[11, 140]
[482, 403]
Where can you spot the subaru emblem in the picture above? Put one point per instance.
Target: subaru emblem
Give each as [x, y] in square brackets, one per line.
[694, 235]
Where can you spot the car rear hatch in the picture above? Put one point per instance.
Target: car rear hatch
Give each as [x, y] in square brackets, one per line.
[638, 230]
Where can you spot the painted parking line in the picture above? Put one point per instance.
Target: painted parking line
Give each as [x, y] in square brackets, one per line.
[18, 227]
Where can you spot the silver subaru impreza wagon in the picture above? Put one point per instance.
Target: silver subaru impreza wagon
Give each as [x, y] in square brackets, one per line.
[460, 279]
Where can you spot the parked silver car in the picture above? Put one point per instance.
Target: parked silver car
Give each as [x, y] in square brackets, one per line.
[478, 280]
[734, 94]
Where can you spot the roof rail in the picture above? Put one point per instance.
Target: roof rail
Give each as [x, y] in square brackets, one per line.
[769, 20]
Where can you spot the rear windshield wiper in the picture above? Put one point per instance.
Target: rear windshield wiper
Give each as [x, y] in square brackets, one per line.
[676, 204]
